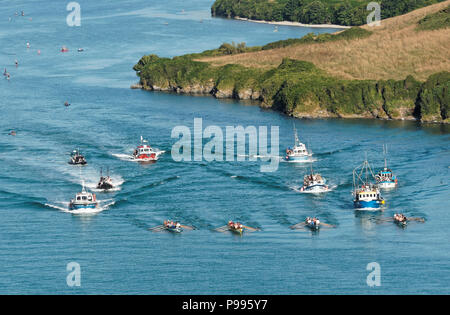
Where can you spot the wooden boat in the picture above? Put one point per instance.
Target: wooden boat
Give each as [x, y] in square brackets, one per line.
[313, 224]
[171, 226]
[236, 228]
[174, 229]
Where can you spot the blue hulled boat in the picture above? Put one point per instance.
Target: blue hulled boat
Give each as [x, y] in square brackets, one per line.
[366, 194]
[83, 200]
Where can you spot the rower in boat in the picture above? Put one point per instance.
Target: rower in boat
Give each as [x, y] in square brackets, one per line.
[76, 158]
[314, 224]
[80, 49]
[145, 153]
[64, 49]
[402, 220]
[171, 226]
[105, 182]
[66, 103]
[314, 182]
[386, 178]
[83, 200]
[367, 196]
[236, 228]
[12, 133]
[298, 152]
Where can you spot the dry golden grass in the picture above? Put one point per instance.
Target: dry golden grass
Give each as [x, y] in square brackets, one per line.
[393, 51]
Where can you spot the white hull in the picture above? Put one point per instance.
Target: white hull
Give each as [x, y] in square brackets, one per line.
[387, 185]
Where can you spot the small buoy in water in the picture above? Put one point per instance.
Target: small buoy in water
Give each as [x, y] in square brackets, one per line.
[17, 63]
[28, 45]
[80, 49]
[39, 52]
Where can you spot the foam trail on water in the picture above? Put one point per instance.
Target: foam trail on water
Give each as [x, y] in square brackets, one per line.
[102, 206]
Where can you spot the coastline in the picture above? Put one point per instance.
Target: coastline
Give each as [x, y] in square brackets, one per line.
[259, 101]
[297, 24]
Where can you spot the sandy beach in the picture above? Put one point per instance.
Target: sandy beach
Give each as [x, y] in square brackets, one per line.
[287, 23]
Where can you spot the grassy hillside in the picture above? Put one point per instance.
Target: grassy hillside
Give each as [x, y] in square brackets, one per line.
[302, 88]
[435, 21]
[341, 12]
[394, 50]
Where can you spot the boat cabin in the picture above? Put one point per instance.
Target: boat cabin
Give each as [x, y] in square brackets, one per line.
[84, 197]
[368, 195]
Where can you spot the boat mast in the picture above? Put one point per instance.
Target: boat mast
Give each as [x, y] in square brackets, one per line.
[295, 135]
[385, 154]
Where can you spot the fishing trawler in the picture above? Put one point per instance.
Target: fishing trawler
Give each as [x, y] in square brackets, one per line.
[366, 194]
[145, 153]
[386, 178]
[76, 158]
[105, 182]
[298, 152]
[83, 200]
[314, 182]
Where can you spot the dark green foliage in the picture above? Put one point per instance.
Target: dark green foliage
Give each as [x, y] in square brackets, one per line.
[438, 20]
[299, 88]
[434, 98]
[341, 12]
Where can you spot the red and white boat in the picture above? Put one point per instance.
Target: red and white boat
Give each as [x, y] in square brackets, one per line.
[145, 153]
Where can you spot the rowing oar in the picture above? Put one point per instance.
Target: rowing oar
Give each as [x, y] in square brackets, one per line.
[157, 228]
[416, 219]
[297, 225]
[250, 228]
[327, 225]
[222, 228]
[188, 227]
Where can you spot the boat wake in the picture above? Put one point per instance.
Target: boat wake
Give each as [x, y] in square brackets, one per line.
[309, 160]
[117, 181]
[297, 189]
[257, 156]
[64, 207]
[131, 158]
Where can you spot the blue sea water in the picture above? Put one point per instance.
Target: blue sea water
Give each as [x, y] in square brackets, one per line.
[114, 248]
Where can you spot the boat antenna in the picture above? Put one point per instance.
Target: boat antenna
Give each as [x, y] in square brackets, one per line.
[101, 171]
[295, 134]
[107, 169]
[385, 155]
